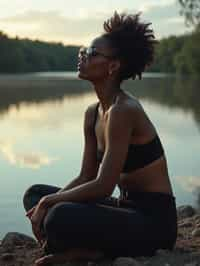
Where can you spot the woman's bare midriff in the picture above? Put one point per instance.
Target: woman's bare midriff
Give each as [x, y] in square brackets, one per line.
[152, 178]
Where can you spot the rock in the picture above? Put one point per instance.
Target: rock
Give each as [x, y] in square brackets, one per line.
[185, 211]
[7, 248]
[196, 232]
[7, 256]
[197, 218]
[198, 225]
[18, 239]
[126, 261]
[186, 224]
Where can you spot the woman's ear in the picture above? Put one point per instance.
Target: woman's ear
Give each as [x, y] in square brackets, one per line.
[114, 67]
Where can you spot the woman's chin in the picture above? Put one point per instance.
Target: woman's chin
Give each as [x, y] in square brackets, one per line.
[81, 75]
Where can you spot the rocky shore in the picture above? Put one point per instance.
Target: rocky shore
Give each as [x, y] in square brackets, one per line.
[17, 249]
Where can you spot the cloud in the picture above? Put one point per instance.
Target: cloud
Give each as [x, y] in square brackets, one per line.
[151, 5]
[52, 25]
[48, 115]
[32, 160]
[166, 19]
[189, 183]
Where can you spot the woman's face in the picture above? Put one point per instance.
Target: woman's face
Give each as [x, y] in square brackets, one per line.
[95, 62]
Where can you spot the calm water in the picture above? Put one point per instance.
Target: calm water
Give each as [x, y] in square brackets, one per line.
[41, 139]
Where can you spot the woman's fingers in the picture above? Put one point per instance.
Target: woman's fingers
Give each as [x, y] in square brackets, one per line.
[37, 234]
[30, 212]
[36, 221]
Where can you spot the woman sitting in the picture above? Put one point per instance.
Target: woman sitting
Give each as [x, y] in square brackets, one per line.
[122, 147]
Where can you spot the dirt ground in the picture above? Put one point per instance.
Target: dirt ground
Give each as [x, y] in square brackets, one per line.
[185, 253]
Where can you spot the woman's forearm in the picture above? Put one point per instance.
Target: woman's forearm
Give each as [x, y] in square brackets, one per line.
[79, 180]
[89, 191]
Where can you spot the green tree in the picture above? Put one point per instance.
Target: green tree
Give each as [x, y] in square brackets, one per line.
[165, 52]
[191, 10]
[24, 55]
[188, 59]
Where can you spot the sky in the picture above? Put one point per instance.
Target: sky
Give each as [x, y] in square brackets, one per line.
[77, 22]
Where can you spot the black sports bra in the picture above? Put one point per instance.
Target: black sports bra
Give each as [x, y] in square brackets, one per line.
[138, 155]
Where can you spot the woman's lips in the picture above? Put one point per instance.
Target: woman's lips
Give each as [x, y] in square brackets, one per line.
[80, 65]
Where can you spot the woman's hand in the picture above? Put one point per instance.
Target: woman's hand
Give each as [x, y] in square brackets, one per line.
[30, 212]
[36, 216]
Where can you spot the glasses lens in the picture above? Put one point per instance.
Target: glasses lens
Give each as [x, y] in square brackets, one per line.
[91, 51]
[82, 51]
[88, 51]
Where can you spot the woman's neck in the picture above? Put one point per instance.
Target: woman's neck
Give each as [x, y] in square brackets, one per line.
[107, 93]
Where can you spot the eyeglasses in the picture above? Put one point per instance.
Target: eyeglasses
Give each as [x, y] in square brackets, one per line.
[91, 52]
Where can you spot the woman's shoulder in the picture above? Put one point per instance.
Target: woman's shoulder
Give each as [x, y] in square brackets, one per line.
[90, 115]
[127, 104]
[91, 109]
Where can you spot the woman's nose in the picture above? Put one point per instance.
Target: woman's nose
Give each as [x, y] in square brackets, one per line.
[82, 57]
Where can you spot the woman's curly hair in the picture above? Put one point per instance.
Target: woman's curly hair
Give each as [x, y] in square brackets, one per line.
[133, 42]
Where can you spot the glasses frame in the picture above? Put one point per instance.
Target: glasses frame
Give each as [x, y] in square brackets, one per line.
[90, 52]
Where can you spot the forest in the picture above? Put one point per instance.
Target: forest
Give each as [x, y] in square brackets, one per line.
[175, 54]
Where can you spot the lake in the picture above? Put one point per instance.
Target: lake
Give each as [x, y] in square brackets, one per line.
[41, 140]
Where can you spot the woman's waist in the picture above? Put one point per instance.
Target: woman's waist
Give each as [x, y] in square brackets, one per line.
[163, 193]
[145, 179]
[149, 201]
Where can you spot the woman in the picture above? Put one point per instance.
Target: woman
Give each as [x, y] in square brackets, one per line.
[122, 148]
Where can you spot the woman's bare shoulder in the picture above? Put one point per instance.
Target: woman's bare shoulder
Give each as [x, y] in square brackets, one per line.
[91, 108]
[128, 103]
[90, 114]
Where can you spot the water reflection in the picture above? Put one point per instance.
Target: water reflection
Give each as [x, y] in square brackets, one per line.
[174, 92]
[21, 159]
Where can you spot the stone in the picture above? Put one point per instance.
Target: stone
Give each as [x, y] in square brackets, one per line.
[197, 218]
[185, 211]
[186, 224]
[8, 248]
[196, 232]
[198, 225]
[7, 256]
[128, 261]
[14, 238]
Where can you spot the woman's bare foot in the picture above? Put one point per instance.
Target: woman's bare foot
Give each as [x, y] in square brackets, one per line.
[70, 255]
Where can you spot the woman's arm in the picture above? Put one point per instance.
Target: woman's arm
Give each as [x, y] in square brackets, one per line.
[90, 165]
[74, 183]
[117, 141]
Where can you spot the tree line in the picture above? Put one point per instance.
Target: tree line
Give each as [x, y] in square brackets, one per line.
[175, 54]
[178, 54]
[24, 55]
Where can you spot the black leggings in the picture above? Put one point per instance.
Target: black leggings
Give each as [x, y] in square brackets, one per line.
[150, 223]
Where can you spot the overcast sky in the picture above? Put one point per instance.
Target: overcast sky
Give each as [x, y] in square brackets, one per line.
[79, 21]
